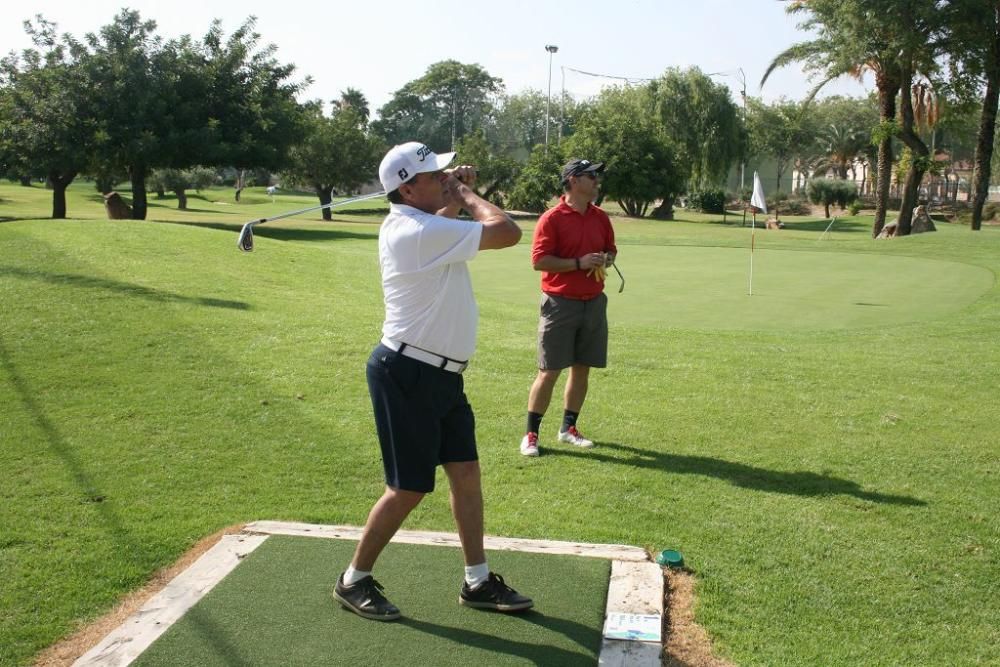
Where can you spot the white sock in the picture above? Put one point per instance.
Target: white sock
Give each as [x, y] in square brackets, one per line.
[352, 576]
[476, 575]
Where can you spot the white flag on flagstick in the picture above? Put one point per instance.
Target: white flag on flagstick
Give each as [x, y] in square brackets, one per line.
[757, 200]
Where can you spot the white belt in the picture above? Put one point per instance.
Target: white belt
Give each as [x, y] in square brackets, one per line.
[436, 360]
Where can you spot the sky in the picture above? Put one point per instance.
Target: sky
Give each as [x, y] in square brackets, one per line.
[378, 47]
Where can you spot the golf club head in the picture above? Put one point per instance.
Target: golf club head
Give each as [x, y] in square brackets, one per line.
[245, 241]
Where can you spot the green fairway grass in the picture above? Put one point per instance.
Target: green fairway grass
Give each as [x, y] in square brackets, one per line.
[829, 469]
[708, 288]
[276, 609]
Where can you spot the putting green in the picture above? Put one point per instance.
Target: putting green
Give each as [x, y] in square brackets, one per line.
[276, 609]
[693, 287]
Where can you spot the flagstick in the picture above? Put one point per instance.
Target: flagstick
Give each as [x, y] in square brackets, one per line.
[753, 229]
[757, 203]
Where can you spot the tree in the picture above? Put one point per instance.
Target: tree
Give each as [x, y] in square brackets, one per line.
[441, 107]
[250, 106]
[955, 140]
[856, 119]
[782, 130]
[828, 191]
[622, 131]
[181, 103]
[703, 123]
[46, 124]
[494, 173]
[353, 99]
[920, 112]
[839, 147]
[853, 37]
[538, 181]
[972, 41]
[335, 153]
[131, 87]
[179, 181]
[920, 27]
[519, 123]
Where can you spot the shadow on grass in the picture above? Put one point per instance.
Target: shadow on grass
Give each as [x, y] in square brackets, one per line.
[127, 289]
[221, 641]
[821, 225]
[170, 204]
[284, 233]
[839, 225]
[86, 487]
[588, 638]
[191, 209]
[737, 474]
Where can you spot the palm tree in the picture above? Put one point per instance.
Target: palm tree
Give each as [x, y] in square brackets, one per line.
[859, 37]
[973, 40]
[840, 147]
[920, 112]
[353, 99]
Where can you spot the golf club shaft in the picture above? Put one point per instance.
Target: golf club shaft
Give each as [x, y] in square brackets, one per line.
[615, 267]
[315, 208]
[245, 240]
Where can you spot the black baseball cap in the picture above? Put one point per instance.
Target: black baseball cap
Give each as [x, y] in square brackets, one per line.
[580, 167]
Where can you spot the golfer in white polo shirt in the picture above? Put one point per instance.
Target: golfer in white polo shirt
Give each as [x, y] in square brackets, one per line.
[415, 373]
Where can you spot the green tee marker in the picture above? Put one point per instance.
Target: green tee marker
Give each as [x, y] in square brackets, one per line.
[670, 558]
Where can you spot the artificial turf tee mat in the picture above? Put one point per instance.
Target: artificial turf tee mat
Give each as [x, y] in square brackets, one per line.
[275, 608]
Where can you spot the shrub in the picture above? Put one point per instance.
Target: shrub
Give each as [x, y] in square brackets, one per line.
[854, 208]
[707, 201]
[828, 191]
[537, 182]
[793, 207]
[963, 218]
[782, 204]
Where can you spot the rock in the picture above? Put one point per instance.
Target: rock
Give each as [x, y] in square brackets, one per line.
[921, 221]
[889, 231]
[116, 207]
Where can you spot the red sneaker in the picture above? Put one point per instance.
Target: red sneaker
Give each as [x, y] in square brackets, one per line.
[573, 437]
[529, 444]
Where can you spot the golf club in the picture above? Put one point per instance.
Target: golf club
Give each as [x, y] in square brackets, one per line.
[622, 288]
[245, 241]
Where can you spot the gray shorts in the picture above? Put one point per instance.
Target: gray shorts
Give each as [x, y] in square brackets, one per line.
[571, 332]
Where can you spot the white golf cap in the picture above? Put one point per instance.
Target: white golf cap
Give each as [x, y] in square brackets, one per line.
[405, 161]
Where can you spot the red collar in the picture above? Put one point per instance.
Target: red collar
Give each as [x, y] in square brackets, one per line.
[565, 207]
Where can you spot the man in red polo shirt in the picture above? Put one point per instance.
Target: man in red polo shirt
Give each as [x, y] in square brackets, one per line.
[572, 240]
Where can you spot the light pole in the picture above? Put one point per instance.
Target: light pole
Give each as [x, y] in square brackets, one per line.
[743, 94]
[551, 48]
[562, 106]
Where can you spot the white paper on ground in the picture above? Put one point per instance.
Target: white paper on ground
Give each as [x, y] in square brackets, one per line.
[634, 627]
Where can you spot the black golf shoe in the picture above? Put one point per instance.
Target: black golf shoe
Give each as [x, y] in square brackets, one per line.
[494, 594]
[365, 599]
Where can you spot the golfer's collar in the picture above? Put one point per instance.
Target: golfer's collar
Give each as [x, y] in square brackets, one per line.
[566, 206]
[406, 209]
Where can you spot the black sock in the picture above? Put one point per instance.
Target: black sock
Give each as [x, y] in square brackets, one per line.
[534, 422]
[569, 419]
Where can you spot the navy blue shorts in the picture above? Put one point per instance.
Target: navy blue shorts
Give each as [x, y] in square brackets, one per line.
[422, 416]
